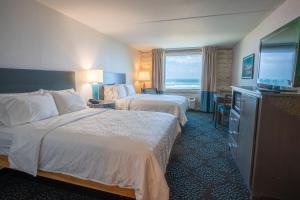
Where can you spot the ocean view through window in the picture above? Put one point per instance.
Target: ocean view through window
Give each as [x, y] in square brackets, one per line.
[183, 70]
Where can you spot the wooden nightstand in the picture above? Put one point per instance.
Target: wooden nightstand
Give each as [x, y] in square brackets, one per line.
[103, 104]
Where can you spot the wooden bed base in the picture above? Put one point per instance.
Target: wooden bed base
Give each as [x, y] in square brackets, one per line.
[77, 181]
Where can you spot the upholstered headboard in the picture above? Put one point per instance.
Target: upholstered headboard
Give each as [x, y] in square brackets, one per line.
[110, 78]
[27, 80]
[114, 78]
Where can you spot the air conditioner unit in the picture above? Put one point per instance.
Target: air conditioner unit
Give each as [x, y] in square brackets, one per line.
[192, 103]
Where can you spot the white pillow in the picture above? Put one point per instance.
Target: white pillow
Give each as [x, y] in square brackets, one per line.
[50, 91]
[19, 94]
[109, 93]
[130, 90]
[21, 109]
[120, 91]
[68, 101]
[112, 92]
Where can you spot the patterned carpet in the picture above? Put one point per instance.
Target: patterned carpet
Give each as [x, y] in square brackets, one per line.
[200, 168]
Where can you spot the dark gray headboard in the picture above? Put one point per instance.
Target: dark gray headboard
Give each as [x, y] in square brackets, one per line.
[27, 80]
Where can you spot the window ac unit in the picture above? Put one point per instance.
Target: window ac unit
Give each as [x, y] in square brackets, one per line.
[192, 103]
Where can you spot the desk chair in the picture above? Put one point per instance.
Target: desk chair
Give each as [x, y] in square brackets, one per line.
[223, 110]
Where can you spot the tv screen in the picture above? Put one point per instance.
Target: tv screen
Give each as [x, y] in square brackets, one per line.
[277, 64]
[278, 56]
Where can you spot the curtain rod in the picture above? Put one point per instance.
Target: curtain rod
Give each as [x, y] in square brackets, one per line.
[192, 48]
[182, 49]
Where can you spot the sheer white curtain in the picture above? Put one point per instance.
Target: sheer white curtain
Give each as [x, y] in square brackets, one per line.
[208, 81]
[158, 69]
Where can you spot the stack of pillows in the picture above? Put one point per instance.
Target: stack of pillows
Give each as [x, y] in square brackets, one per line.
[113, 92]
[22, 108]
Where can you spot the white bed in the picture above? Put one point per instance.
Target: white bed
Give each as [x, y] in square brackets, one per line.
[175, 105]
[113, 147]
[6, 138]
[126, 99]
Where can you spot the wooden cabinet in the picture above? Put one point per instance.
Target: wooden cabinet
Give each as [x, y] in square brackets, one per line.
[264, 140]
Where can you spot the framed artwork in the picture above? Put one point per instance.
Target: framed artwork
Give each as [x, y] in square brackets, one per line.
[248, 67]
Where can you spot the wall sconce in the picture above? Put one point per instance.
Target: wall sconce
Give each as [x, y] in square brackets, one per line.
[94, 77]
[144, 76]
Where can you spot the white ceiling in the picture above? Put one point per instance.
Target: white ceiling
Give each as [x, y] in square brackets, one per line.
[146, 24]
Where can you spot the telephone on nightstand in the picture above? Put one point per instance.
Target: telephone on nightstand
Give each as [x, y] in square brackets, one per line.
[94, 101]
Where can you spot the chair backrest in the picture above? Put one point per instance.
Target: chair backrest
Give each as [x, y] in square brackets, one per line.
[149, 91]
[228, 98]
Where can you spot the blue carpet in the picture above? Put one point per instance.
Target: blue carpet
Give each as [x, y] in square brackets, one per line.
[200, 168]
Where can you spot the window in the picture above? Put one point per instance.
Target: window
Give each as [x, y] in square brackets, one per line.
[183, 69]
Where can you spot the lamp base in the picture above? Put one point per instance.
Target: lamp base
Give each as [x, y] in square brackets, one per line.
[143, 87]
[95, 91]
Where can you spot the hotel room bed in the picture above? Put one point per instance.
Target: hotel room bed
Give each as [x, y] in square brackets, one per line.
[127, 149]
[175, 105]
[5, 141]
[126, 99]
[116, 151]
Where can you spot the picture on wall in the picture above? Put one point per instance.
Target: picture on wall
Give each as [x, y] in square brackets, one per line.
[248, 67]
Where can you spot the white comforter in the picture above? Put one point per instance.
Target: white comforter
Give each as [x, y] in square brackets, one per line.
[128, 149]
[175, 105]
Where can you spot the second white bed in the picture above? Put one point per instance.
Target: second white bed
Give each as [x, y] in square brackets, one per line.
[175, 105]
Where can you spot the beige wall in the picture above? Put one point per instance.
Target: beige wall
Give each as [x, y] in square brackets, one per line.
[224, 68]
[137, 65]
[37, 37]
[145, 65]
[285, 13]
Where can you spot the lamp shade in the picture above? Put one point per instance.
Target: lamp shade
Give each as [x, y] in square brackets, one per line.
[144, 76]
[94, 76]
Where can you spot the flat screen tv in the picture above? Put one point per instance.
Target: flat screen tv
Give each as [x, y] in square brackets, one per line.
[279, 66]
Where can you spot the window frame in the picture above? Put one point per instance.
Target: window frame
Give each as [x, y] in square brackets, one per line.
[176, 52]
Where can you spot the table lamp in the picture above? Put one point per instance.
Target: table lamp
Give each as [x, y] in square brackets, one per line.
[94, 77]
[144, 76]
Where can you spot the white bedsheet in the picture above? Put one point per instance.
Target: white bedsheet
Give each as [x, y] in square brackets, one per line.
[128, 149]
[6, 138]
[175, 105]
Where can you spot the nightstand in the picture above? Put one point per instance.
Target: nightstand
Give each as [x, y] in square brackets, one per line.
[103, 104]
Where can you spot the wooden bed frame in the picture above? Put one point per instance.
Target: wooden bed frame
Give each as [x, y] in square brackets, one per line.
[27, 80]
[77, 181]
